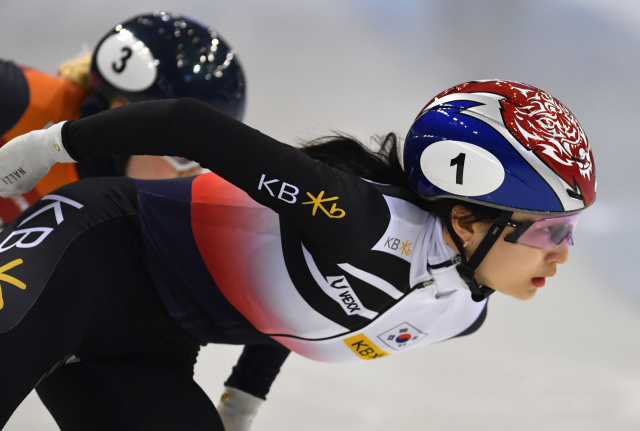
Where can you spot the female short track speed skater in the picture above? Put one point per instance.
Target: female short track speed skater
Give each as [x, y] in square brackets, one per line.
[331, 251]
[147, 57]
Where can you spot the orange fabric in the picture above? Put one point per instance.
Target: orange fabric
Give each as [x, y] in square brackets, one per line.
[51, 100]
[59, 175]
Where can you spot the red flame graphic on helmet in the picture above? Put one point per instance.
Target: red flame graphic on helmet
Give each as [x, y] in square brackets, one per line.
[544, 125]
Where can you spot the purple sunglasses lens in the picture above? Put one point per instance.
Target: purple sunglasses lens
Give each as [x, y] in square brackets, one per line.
[550, 233]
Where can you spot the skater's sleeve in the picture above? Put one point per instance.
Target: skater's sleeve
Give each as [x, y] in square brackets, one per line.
[14, 95]
[337, 214]
[257, 368]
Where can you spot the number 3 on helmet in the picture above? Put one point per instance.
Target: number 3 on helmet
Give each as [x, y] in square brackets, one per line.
[166, 56]
[502, 144]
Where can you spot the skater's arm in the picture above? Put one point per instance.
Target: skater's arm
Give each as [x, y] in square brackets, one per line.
[335, 212]
[247, 387]
[257, 368]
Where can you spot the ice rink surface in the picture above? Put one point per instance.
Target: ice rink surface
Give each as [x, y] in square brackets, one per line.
[568, 359]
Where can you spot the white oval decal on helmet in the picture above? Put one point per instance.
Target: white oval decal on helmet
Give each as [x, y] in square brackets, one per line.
[126, 62]
[461, 168]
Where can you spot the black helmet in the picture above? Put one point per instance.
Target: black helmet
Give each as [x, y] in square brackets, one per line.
[164, 56]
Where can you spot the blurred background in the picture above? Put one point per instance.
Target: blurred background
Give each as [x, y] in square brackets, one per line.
[567, 360]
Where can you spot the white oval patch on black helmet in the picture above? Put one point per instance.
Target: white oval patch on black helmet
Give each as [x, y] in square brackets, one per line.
[461, 168]
[126, 62]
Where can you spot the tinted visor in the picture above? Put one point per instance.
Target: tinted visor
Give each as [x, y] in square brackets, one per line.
[547, 233]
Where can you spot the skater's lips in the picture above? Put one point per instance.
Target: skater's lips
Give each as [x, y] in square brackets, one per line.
[538, 281]
[541, 280]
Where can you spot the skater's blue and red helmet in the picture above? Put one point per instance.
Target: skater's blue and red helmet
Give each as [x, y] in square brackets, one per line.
[501, 144]
[164, 56]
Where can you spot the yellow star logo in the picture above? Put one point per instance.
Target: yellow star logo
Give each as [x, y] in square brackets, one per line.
[10, 279]
[317, 203]
[405, 248]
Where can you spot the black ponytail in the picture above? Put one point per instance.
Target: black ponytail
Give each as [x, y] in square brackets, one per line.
[381, 165]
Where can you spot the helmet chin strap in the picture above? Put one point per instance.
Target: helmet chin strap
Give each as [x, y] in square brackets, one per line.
[467, 268]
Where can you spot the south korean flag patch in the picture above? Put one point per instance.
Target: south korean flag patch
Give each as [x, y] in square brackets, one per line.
[401, 336]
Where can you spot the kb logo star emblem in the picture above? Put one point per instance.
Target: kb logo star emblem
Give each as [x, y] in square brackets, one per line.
[317, 203]
[10, 279]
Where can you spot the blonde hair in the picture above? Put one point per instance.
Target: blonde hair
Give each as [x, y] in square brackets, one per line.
[77, 69]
